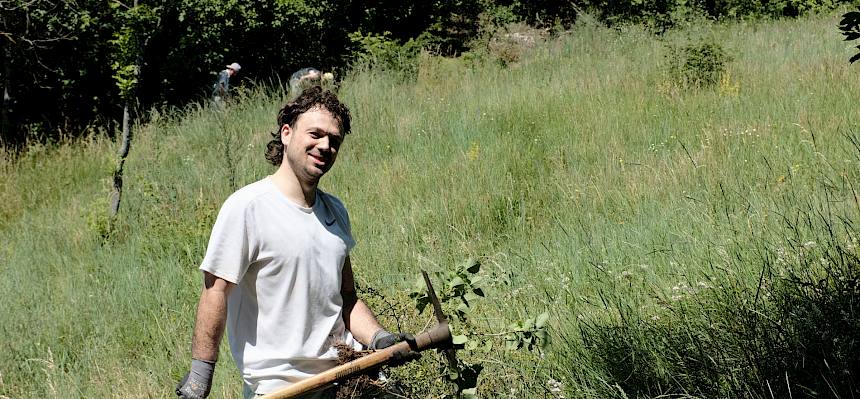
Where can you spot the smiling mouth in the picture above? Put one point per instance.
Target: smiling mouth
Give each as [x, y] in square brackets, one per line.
[318, 160]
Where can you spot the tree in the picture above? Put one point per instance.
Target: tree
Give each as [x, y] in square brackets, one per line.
[50, 61]
[137, 21]
[850, 27]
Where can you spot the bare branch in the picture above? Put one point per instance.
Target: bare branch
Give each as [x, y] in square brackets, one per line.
[4, 7]
[8, 36]
[127, 7]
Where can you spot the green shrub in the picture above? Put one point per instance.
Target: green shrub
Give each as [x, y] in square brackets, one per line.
[697, 65]
[850, 27]
[385, 53]
[506, 44]
[509, 45]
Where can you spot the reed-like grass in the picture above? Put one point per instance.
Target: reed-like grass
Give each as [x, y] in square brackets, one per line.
[665, 229]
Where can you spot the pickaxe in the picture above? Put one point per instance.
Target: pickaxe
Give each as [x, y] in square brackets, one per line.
[438, 336]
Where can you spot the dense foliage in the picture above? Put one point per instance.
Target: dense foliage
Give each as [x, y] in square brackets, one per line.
[850, 27]
[64, 73]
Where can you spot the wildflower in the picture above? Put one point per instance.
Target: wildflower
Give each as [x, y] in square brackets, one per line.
[677, 298]
[809, 244]
[555, 387]
[781, 256]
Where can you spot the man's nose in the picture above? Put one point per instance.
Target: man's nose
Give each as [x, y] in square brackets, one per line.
[324, 143]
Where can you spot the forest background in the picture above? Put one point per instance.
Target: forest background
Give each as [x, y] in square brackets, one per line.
[68, 67]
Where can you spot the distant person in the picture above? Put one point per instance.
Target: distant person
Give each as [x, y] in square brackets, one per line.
[221, 88]
[307, 77]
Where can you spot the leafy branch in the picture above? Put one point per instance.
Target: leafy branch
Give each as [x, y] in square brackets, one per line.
[850, 27]
[461, 290]
[129, 41]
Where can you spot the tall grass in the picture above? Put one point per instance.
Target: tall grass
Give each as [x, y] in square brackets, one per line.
[666, 229]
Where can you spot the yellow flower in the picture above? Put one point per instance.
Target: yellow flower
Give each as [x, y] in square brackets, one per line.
[727, 87]
[474, 151]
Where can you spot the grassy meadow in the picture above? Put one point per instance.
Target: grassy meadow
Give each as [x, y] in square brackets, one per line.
[686, 242]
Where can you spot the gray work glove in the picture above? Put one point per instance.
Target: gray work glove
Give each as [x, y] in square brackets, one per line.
[383, 339]
[197, 382]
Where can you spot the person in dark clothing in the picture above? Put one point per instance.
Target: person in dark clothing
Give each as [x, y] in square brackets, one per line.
[221, 88]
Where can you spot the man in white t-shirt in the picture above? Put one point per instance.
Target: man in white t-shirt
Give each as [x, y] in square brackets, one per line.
[277, 271]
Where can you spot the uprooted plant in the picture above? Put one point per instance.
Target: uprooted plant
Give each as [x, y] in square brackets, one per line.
[462, 289]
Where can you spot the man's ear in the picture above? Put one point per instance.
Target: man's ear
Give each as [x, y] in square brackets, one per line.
[286, 134]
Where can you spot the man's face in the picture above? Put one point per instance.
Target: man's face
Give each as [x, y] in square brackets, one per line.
[311, 145]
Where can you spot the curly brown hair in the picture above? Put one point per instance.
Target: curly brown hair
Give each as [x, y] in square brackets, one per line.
[312, 98]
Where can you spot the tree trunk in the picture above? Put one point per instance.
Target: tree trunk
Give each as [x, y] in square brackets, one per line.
[116, 195]
[6, 132]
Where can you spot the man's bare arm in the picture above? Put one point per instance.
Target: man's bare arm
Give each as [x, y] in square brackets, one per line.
[208, 330]
[357, 317]
[211, 317]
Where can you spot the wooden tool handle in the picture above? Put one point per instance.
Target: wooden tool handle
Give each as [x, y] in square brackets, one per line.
[438, 336]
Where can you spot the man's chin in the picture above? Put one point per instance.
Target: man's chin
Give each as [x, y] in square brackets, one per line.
[315, 173]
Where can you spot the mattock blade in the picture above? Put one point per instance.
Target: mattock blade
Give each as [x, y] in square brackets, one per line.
[440, 317]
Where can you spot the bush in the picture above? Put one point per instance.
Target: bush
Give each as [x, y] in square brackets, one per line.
[696, 65]
[503, 40]
[384, 53]
[850, 27]
[509, 44]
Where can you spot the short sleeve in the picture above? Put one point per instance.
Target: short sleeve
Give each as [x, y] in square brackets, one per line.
[228, 254]
[342, 216]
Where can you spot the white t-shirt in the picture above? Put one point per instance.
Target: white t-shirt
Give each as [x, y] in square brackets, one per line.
[285, 312]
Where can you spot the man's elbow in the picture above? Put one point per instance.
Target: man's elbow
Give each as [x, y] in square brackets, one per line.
[349, 299]
[215, 284]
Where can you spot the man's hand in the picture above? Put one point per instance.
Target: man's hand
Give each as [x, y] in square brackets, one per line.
[383, 339]
[197, 382]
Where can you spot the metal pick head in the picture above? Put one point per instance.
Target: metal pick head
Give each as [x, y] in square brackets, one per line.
[440, 317]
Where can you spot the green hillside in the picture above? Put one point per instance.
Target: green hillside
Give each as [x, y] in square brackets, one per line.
[685, 240]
